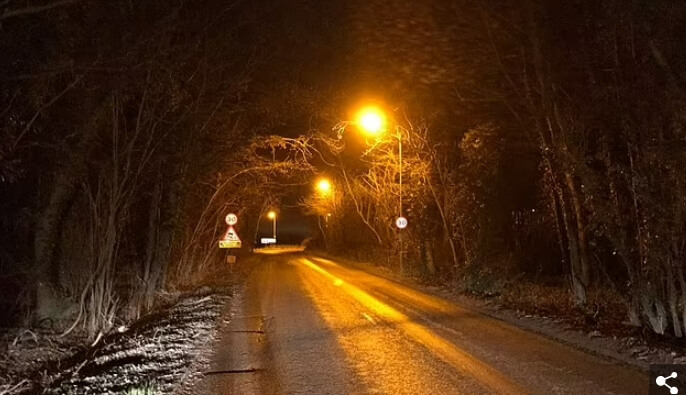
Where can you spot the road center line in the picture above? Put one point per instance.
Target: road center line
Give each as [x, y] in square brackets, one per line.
[369, 318]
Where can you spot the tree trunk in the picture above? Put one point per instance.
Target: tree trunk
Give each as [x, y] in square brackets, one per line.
[49, 225]
[430, 265]
[151, 271]
[673, 309]
[573, 248]
[633, 314]
[48, 296]
[581, 263]
[682, 286]
[654, 312]
[446, 228]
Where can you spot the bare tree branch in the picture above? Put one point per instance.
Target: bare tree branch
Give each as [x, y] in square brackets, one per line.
[36, 9]
[42, 108]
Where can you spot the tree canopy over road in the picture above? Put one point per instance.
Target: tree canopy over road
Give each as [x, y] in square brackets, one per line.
[543, 142]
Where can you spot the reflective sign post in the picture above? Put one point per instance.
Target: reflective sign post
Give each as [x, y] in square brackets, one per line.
[400, 223]
[230, 239]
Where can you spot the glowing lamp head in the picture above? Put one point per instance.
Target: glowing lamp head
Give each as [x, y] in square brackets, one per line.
[324, 186]
[271, 215]
[371, 120]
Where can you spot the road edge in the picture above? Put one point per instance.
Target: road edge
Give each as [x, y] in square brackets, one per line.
[546, 328]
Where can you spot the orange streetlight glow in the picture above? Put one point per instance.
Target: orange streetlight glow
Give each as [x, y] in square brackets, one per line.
[272, 215]
[372, 120]
[324, 186]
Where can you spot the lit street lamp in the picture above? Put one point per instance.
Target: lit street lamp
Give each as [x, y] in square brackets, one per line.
[372, 120]
[272, 215]
[324, 187]
[325, 191]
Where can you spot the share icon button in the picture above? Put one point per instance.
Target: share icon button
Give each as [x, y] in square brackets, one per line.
[667, 379]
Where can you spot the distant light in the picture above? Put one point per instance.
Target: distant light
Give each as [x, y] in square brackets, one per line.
[271, 215]
[371, 120]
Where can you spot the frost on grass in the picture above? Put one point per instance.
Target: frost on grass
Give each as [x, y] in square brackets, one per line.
[156, 355]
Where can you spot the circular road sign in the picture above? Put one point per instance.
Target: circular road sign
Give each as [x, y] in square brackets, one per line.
[231, 219]
[401, 222]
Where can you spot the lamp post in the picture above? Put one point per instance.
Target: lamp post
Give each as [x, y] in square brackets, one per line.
[272, 215]
[324, 189]
[372, 120]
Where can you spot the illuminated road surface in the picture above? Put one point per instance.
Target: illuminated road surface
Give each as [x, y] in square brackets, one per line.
[307, 325]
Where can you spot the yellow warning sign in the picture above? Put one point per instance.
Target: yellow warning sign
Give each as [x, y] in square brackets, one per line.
[229, 244]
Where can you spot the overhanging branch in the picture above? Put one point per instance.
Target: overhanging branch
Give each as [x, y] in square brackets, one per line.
[31, 10]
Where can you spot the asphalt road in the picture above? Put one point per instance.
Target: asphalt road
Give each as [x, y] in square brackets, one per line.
[307, 325]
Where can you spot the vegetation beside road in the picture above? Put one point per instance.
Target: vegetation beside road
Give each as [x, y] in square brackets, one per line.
[535, 162]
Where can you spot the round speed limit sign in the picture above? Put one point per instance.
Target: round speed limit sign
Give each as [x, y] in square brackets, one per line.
[231, 219]
[401, 222]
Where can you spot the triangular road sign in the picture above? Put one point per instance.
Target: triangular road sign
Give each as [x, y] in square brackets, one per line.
[230, 239]
[231, 235]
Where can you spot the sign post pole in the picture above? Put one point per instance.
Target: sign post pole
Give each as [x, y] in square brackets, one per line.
[401, 223]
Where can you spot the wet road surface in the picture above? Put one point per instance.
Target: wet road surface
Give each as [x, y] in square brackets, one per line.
[307, 325]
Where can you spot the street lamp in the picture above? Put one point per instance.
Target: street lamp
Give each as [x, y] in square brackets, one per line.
[325, 191]
[272, 215]
[324, 187]
[372, 121]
